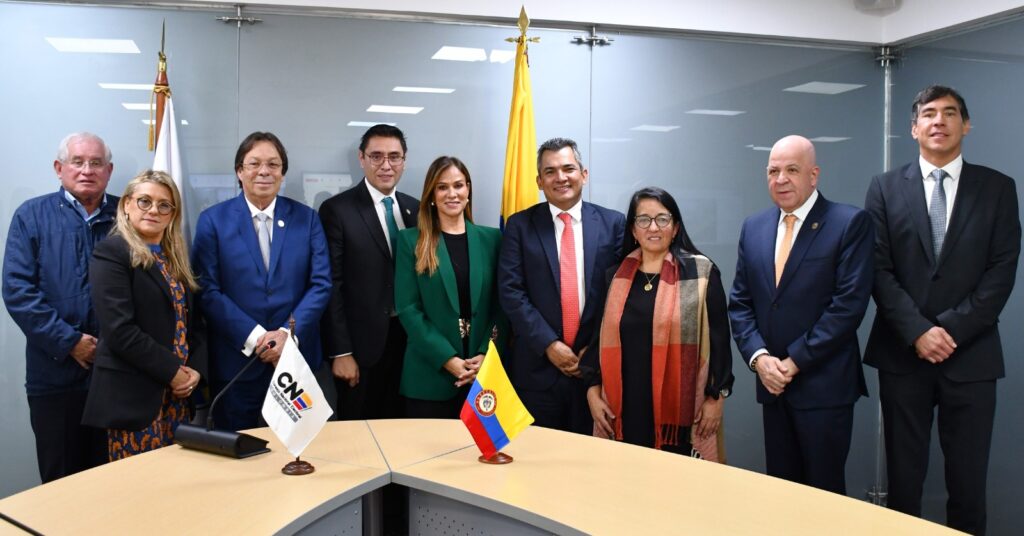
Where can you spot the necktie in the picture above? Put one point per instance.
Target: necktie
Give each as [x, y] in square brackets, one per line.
[937, 212]
[389, 220]
[263, 233]
[784, 247]
[569, 284]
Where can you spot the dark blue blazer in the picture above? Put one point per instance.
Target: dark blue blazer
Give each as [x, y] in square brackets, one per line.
[528, 285]
[237, 292]
[814, 313]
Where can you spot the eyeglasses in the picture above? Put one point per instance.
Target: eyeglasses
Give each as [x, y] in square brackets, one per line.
[78, 163]
[273, 165]
[163, 208]
[644, 222]
[377, 159]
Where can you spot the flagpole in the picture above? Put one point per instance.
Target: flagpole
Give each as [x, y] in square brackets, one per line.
[519, 189]
[296, 467]
[161, 90]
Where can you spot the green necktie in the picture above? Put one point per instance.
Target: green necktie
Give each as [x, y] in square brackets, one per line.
[389, 219]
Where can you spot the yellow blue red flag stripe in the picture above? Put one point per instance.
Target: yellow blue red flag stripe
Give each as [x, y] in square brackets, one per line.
[493, 412]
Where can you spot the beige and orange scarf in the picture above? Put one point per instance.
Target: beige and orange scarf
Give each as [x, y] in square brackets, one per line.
[681, 347]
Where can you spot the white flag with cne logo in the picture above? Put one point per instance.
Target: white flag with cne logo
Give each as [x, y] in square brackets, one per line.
[295, 407]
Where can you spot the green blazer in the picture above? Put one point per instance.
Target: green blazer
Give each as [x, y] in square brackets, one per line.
[428, 307]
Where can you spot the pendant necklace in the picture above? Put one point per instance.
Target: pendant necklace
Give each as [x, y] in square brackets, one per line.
[650, 279]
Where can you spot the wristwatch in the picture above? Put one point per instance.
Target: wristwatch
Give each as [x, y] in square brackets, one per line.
[753, 362]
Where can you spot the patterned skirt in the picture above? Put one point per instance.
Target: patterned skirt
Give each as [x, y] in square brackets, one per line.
[160, 433]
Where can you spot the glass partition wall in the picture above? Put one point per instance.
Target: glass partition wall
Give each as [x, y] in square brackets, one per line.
[693, 115]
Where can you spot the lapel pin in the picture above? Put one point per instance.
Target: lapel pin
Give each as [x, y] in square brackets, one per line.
[408, 212]
[814, 225]
[280, 223]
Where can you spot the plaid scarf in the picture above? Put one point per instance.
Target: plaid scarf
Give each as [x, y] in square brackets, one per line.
[680, 352]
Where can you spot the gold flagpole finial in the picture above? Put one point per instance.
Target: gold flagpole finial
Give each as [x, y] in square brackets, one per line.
[524, 24]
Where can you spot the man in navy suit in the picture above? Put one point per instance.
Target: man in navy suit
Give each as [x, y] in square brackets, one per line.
[946, 261]
[261, 259]
[803, 280]
[552, 293]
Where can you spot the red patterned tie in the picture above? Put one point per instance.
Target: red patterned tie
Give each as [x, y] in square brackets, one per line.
[569, 284]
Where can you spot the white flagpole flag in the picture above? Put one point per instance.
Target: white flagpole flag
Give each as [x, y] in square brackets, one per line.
[168, 159]
[295, 408]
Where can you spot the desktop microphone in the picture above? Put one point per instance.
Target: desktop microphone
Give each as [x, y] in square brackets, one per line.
[226, 443]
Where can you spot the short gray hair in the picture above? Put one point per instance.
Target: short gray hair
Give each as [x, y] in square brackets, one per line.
[62, 149]
[557, 144]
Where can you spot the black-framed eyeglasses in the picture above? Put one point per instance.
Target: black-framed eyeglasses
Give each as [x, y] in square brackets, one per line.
[163, 208]
[377, 159]
[644, 222]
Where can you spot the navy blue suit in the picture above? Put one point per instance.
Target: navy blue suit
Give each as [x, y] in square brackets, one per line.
[237, 293]
[812, 316]
[529, 292]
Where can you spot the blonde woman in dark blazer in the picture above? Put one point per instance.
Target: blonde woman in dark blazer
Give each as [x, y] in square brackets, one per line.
[445, 293]
[152, 352]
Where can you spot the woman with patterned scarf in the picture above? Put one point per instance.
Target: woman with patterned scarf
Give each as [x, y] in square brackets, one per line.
[662, 367]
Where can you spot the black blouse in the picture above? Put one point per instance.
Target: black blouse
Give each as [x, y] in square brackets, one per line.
[458, 252]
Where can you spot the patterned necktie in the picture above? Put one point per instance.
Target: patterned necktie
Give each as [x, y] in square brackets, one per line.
[937, 212]
[263, 233]
[569, 284]
[389, 220]
[784, 247]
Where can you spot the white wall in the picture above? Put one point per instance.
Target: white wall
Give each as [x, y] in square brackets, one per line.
[831, 20]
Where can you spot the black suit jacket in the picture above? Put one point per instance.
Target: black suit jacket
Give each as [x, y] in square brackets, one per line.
[363, 287]
[963, 290]
[135, 359]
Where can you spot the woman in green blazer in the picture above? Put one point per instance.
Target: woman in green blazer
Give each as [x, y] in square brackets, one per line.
[445, 293]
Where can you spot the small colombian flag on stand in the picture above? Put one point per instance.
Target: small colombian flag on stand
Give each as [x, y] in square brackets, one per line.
[493, 412]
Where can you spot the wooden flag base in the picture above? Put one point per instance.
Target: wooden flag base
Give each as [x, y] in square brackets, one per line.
[298, 467]
[499, 458]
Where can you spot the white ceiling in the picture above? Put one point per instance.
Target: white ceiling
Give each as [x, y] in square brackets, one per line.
[830, 20]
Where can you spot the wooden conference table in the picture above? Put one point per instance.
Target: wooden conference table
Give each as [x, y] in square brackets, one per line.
[560, 482]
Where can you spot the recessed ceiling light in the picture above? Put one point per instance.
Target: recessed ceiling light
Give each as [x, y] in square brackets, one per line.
[460, 54]
[184, 122]
[384, 109]
[824, 88]
[408, 89]
[367, 123]
[111, 85]
[502, 56]
[110, 46]
[655, 128]
[758, 148]
[137, 106]
[701, 111]
[828, 139]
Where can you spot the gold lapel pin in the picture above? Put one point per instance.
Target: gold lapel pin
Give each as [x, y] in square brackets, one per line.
[814, 225]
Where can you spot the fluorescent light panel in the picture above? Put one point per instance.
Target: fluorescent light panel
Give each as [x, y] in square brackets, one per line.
[655, 128]
[367, 123]
[829, 139]
[408, 89]
[701, 111]
[112, 85]
[758, 148]
[824, 88]
[385, 109]
[109, 46]
[137, 106]
[460, 54]
[502, 56]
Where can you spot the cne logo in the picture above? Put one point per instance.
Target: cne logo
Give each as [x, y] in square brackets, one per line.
[486, 402]
[299, 398]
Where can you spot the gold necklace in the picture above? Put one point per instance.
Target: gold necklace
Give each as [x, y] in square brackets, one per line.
[649, 286]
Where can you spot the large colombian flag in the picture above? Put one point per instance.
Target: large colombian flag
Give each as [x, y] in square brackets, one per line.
[520, 181]
[493, 412]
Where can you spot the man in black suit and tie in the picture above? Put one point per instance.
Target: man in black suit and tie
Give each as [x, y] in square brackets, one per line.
[553, 258]
[802, 285]
[945, 263]
[362, 334]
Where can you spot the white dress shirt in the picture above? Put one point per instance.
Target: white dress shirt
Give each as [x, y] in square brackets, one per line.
[378, 205]
[950, 183]
[576, 216]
